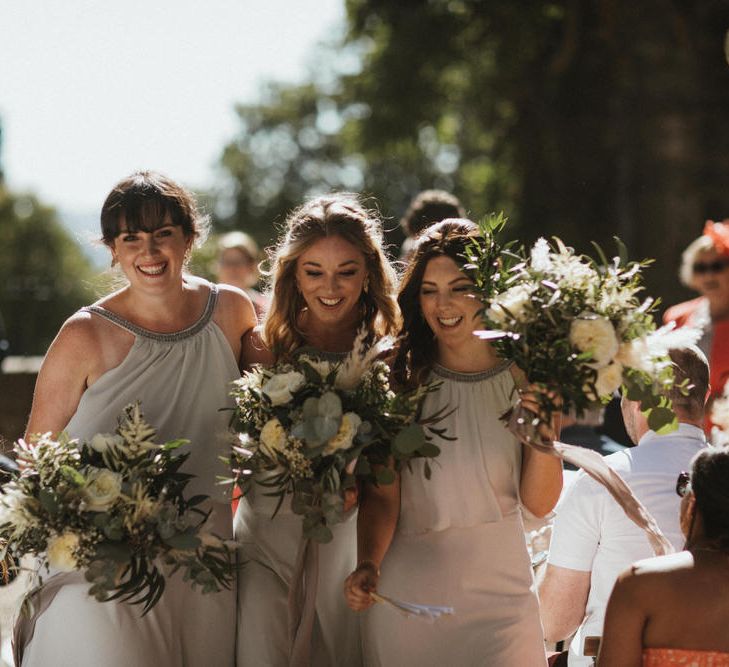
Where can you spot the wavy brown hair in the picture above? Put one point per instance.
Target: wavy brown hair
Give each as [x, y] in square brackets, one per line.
[339, 214]
[417, 350]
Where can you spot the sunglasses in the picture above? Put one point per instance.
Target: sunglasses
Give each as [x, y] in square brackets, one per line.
[717, 266]
[683, 484]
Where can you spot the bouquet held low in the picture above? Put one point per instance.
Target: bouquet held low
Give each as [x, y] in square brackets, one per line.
[114, 508]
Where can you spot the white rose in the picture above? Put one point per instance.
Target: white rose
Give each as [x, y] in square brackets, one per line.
[344, 437]
[102, 442]
[60, 552]
[13, 509]
[102, 488]
[514, 300]
[273, 437]
[609, 378]
[280, 388]
[596, 335]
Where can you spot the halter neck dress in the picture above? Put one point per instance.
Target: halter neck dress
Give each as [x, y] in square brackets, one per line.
[182, 380]
[269, 549]
[460, 542]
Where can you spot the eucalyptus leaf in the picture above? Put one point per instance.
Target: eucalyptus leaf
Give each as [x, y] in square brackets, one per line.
[183, 541]
[118, 552]
[660, 419]
[385, 476]
[48, 501]
[409, 439]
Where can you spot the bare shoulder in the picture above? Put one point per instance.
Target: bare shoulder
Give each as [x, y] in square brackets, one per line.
[653, 578]
[234, 305]
[80, 331]
[254, 349]
[678, 562]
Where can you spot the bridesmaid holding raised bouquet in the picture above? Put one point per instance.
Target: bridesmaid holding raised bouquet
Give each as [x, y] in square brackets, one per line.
[458, 538]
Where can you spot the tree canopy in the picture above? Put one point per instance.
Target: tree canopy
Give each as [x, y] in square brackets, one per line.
[44, 276]
[579, 118]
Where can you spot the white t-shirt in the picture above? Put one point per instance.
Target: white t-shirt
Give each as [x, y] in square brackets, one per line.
[592, 534]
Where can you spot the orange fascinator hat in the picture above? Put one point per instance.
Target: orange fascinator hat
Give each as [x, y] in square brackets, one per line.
[718, 232]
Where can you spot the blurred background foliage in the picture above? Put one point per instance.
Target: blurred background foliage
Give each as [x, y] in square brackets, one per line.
[579, 118]
[44, 275]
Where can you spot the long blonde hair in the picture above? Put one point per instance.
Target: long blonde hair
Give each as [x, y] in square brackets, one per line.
[339, 214]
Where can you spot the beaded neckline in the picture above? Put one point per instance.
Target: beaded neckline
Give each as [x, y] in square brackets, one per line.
[321, 355]
[194, 328]
[448, 374]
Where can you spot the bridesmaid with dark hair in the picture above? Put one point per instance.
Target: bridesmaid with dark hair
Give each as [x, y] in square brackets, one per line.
[173, 342]
[455, 539]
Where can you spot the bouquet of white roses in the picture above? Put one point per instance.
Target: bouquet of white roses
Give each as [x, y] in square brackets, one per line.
[310, 428]
[114, 508]
[576, 325]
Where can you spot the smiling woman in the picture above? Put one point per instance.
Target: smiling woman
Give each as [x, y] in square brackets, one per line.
[456, 538]
[330, 277]
[172, 342]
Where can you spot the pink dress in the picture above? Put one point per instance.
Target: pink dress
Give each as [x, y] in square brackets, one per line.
[669, 657]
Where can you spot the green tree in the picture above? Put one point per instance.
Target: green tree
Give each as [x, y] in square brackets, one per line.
[579, 118]
[44, 276]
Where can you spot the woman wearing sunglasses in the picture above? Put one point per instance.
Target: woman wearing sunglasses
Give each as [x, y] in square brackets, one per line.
[705, 268]
[674, 610]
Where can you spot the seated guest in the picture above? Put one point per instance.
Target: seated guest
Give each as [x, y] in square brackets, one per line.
[705, 268]
[593, 540]
[674, 610]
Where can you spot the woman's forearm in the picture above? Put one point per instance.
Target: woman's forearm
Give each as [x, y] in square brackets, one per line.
[378, 514]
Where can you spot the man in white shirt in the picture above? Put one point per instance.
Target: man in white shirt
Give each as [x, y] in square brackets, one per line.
[592, 540]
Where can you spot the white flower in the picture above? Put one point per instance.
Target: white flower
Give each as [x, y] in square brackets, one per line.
[102, 442]
[273, 437]
[344, 437]
[540, 256]
[514, 300]
[609, 378]
[596, 335]
[280, 388]
[324, 368]
[635, 354]
[60, 552]
[102, 488]
[360, 360]
[13, 509]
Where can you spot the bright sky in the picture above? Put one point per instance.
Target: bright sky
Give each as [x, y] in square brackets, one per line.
[92, 89]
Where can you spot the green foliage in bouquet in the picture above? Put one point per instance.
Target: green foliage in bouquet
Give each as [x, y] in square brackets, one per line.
[114, 508]
[310, 428]
[575, 324]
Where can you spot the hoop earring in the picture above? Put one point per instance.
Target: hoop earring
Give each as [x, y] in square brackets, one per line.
[366, 285]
